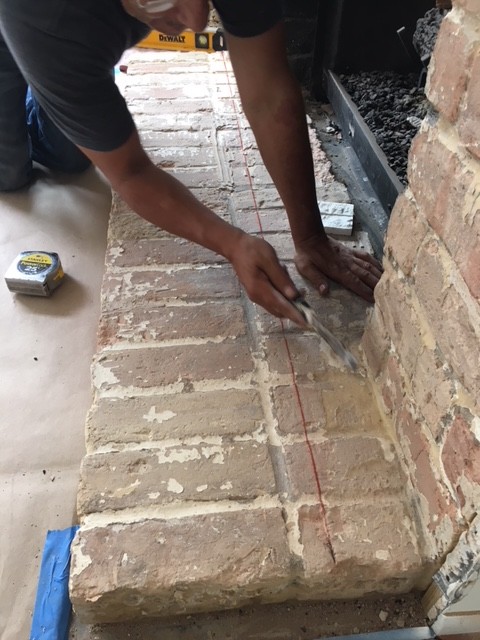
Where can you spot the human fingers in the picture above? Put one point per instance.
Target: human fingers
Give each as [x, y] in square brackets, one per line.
[313, 274]
[262, 291]
[265, 280]
[367, 257]
[366, 271]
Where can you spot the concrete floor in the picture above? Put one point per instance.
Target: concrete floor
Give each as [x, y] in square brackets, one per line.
[45, 353]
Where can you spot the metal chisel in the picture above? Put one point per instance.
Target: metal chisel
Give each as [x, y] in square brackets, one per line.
[314, 324]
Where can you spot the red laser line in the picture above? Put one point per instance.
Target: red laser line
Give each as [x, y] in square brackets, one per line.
[323, 512]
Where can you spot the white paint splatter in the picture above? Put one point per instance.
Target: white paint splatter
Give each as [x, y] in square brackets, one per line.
[174, 487]
[103, 376]
[81, 561]
[216, 453]
[476, 428]
[126, 491]
[163, 416]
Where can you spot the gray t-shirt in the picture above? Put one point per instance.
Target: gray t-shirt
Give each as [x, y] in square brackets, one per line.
[66, 50]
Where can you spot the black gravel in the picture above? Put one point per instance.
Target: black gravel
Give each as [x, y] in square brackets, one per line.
[393, 107]
[394, 104]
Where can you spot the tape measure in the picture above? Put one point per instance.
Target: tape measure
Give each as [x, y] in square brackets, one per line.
[35, 273]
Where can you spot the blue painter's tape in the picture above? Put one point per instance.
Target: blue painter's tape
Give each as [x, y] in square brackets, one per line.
[51, 616]
[415, 633]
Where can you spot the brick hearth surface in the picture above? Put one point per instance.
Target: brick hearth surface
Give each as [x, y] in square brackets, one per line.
[230, 458]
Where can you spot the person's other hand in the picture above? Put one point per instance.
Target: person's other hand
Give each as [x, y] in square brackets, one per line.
[322, 257]
[265, 280]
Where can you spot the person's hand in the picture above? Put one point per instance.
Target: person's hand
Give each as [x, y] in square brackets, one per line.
[265, 280]
[322, 257]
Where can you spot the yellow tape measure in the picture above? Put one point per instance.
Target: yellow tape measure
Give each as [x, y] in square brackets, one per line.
[35, 273]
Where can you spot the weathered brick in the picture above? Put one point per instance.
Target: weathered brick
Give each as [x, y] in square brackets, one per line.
[435, 502]
[433, 389]
[154, 367]
[159, 92]
[296, 412]
[454, 213]
[183, 157]
[377, 536]
[204, 472]
[166, 107]
[266, 198]
[229, 412]
[350, 407]
[163, 69]
[256, 175]
[345, 468]
[211, 320]
[189, 122]
[375, 342]
[158, 251]
[317, 559]
[394, 297]
[267, 221]
[392, 383]
[472, 6]
[154, 568]
[168, 80]
[124, 224]
[127, 225]
[470, 114]
[228, 106]
[405, 233]
[302, 354]
[449, 68]
[435, 178]
[237, 139]
[341, 311]
[437, 291]
[365, 532]
[468, 258]
[152, 288]
[164, 139]
[207, 178]
[461, 460]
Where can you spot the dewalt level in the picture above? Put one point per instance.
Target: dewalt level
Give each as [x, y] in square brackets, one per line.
[209, 40]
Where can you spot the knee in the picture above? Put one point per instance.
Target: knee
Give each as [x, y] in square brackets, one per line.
[13, 179]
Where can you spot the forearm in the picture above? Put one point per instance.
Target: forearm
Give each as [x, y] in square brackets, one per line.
[279, 125]
[273, 103]
[163, 200]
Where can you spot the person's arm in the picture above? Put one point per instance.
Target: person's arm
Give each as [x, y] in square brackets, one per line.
[161, 199]
[273, 103]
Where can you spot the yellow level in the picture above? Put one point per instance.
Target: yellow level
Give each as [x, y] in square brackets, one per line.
[209, 40]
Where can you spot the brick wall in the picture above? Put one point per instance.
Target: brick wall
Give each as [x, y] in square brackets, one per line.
[422, 340]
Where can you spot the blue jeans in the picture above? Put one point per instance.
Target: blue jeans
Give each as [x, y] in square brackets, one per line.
[26, 132]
